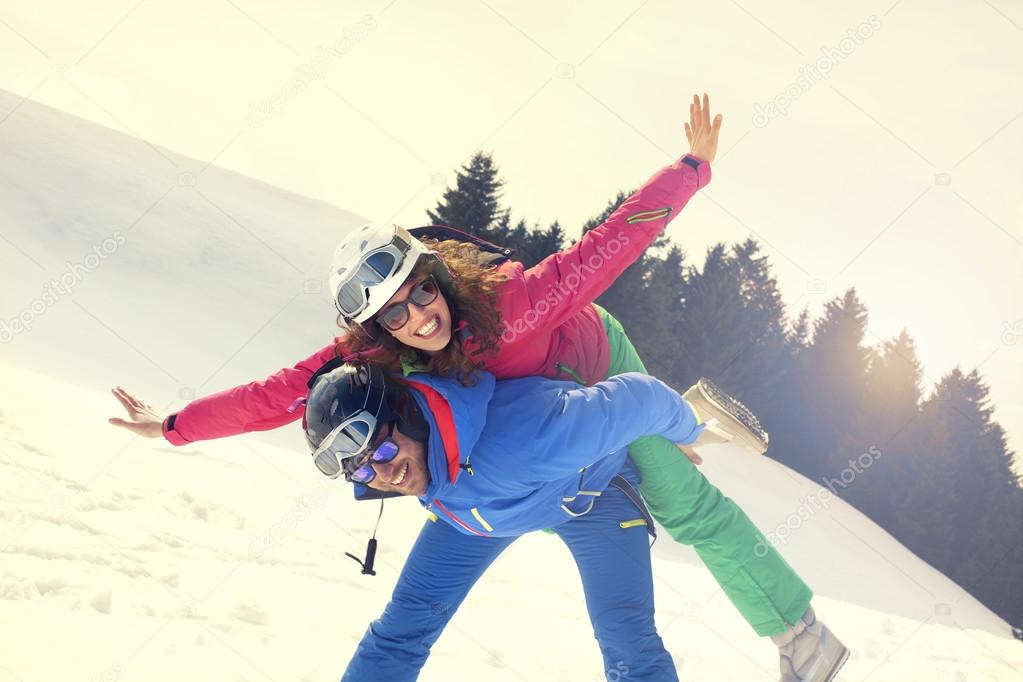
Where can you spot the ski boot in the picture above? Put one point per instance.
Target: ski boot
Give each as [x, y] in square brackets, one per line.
[727, 420]
[809, 651]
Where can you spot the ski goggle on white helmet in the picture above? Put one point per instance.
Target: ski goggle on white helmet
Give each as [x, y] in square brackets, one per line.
[369, 266]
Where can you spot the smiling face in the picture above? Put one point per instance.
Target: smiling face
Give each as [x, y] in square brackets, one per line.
[428, 328]
[407, 473]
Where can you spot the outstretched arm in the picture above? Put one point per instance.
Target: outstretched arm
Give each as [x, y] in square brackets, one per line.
[564, 283]
[256, 406]
[573, 426]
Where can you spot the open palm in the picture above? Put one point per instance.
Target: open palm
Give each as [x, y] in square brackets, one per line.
[700, 131]
[142, 419]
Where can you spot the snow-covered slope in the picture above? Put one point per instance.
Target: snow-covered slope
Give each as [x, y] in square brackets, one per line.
[124, 558]
[129, 263]
[226, 561]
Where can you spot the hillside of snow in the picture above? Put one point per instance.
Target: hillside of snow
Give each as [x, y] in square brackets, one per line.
[124, 558]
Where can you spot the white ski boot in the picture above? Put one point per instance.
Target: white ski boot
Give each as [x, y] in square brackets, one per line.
[727, 420]
[809, 651]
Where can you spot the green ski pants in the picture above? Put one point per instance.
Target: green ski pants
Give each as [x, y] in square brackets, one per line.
[761, 584]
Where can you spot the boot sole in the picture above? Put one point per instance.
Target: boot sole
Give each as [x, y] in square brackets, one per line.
[724, 407]
[838, 665]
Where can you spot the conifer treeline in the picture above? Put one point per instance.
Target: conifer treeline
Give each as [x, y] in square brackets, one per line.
[940, 478]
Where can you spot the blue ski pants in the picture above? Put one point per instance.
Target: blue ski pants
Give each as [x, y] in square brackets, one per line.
[611, 550]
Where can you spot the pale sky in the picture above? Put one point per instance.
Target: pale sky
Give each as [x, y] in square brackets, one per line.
[897, 171]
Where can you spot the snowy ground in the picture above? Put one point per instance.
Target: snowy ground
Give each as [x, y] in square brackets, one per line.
[131, 559]
[123, 559]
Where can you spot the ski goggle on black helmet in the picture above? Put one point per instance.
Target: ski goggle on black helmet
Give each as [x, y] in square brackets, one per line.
[349, 405]
[345, 409]
[369, 266]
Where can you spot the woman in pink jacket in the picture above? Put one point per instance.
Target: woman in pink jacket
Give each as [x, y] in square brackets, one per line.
[449, 311]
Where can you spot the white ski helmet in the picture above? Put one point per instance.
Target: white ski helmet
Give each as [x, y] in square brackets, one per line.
[369, 266]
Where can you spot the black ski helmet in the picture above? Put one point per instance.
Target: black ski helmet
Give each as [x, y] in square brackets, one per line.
[337, 392]
[341, 390]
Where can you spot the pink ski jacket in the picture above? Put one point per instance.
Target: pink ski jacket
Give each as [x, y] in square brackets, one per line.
[550, 326]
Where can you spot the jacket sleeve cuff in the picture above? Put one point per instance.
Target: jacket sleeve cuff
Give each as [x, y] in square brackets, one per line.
[695, 435]
[702, 168]
[172, 436]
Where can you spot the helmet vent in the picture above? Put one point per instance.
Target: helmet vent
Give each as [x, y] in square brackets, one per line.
[362, 246]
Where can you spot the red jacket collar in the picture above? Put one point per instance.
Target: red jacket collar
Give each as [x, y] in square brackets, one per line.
[441, 411]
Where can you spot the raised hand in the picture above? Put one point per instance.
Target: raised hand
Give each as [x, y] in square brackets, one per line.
[142, 418]
[701, 133]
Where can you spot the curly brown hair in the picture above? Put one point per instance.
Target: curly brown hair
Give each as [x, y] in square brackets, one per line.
[471, 294]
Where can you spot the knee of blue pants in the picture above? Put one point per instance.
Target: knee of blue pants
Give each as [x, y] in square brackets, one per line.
[631, 648]
[396, 645]
[441, 568]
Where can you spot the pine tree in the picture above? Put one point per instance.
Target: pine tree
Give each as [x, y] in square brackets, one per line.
[646, 299]
[761, 365]
[659, 337]
[547, 242]
[893, 381]
[963, 509]
[797, 337]
[472, 205]
[892, 407]
[832, 378]
[734, 325]
[782, 416]
[530, 245]
[712, 334]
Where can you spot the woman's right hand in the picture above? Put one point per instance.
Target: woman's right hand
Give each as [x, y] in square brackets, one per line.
[142, 418]
[702, 135]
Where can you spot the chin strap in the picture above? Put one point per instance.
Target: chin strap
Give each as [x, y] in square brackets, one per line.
[371, 547]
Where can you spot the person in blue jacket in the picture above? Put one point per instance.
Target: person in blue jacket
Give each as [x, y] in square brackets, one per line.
[493, 461]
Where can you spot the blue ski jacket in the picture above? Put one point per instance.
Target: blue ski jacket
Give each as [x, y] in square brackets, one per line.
[513, 456]
[505, 458]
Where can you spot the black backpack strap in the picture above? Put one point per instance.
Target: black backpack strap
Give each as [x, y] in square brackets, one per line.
[328, 366]
[630, 492]
[494, 254]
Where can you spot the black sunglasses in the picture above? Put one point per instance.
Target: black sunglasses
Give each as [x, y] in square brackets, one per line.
[396, 315]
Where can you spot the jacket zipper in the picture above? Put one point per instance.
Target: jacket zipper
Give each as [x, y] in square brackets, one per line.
[457, 520]
[561, 367]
